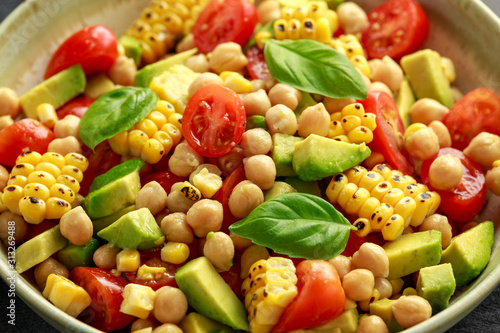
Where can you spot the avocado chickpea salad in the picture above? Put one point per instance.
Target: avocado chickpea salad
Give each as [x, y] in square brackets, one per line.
[284, 166]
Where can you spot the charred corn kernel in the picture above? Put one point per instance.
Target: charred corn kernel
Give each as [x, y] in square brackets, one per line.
[166, 108]
[405, 208]
[42, 177]
[288, 13]
[54, 158]
[37, 190]
[146, 272]
[354, 203]
[360, 134]
[165, 140]
[62, 191]
[308, 30]
[383, 170]
[173, 84]
[236, 82]
[152, 152]
[374, 159]
[380, 216]
[342, 138]
[48, 167]
[369, 120]
[73, 172]
[148, 54]
[350, 122]
[355, 109]
[11, 196]
[77, 160]
[381, 190]
[355, 174]
[351, 45]
[280, 27]
[175, 253]
[323, 32]
[66, 295]
[47, 114]
[393, 196]
[261, 37]
[22, 169]
[136, 141]
[365, 304]
[32, 209]
[176, 120]
[424, 202]
[119, 143]
[70, 182]
[128, 260]
[157, 118]
[138, 300]
[370, 180]
[172, 22]
[190, 191]
[338, 45]
[5, 121]
[294, 29]
[17, 180]
[363, 227]
[156, 40]
[208, 183]
[30, 157]
[336, 129]
[347, 125]
[366, 210]
[347, 192]
[335, 187]
[360, 62]
[56, 208]
[147, 126]
[393, 228]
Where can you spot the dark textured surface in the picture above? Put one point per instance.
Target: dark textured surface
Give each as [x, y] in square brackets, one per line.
[485, 318]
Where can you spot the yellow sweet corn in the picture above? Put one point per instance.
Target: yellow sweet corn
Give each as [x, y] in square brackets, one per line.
[138, 300]
[44, 186]
[47, 114]
[352, 124]
[146, 272]
[208, 183]
[268, 289]
[173, 84]
[66, 295]
[175, 253]
[236, 82]
[191, 192]
[128, 260]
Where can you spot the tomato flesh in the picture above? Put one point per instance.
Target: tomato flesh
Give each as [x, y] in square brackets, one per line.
[222, 195]
[76, 107]
[101, 160]
[257, 66]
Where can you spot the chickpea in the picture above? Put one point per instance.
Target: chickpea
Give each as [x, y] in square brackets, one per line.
[47, 267]
[105, 256]
[244, 198]
[184, 160]
[176, 229]
[140, 324]
[170, 305]
[202, 80]
[368, 83]
[4, 177]
[342, 264]
[411, 310]
[445, 172]
[269, 10]
[440, 223]
[68, 126]
[333, 105]
[373, 258]
[9, 103]
[281, 119]
[229, 162]
[8, 219]
[493, 180]
[314, 120]
[358, 284]
[387, 71]
[352, 18]
[198, 63]
[5, 121]
[66, 145]
[442, 133]
[123, 71]
[484, 149]
[256, 103]
[204, 216]
[256, 141]
[240, 243]
[372, 324]
[167, 328]
[177, 200]
[227, 57]
[219, 249]
[151, 196]
[185, 44]
[284, 94]
[251, 255]
[380, 86]
[457, 94]
[261, 170]
[258, 84]
[76, 226]
[384, 287]
[426, 110]
[422, 144]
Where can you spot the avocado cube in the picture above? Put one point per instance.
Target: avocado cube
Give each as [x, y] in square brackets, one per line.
[303, 186]
[255, 121]
[196, 323]
[404, 102]
[277, 189]
[436, 284]
[104, 222]
[75, 256]
[346, 322]
[383, 309]
[98, 85]
[282, 153]
[132, 48]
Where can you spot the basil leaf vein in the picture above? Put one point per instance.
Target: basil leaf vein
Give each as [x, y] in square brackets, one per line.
[116, 111]
[296, 224]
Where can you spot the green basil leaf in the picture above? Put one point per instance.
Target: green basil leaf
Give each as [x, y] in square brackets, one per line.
[314, 67]
[296, 224]
[114, 112]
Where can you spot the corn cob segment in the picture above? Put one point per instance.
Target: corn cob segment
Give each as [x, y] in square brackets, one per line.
[353, 124]
[66, 295]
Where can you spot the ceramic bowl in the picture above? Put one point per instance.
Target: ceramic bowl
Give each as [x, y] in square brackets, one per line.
[461, 30]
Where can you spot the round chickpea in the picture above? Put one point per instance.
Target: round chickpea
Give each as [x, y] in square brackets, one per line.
[184, 160]
[256, 141]
[426, 110]
[219, 250]
[68, 126]
[261, 170]
[484, 149]
[445, 172]
[167, 328]
[372, 257]
[66, 145]
[352, 18]
[284, 94]
[358, 284]
[493, 180]
[151, 196]
[105, 256]
[342, 264]
[281, 119]
[76, 226]
[442, 133]
[202, 80]
[256, 103]
[440, 223]
[372, 324]
[227, 57]
[240, 243]
[47, 267]
[4, 177]
[170, 305]
[251, 255]
[185, 44]
[314, 120]
[244, 198]
[411, 310]
[422, 144]
[140, 324]
[9, 220]
[9, 103]
[230, 161]
[123, 71]
[333, 105]
[176, 229]
[198, 63]
[384, 287]
[269, 10]
[380, 86]
[204, 216]
[387, 71]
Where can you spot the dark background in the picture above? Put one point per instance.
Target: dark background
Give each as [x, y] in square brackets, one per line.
[485, 318]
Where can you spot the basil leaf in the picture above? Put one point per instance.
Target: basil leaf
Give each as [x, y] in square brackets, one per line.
[314, 67]
[296, 224]
[114, 112]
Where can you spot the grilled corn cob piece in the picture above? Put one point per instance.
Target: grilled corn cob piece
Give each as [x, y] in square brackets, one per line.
[350, 46]
[268, 289]
[44, 186]
[66, 295]
[352, 124]
[138, 300]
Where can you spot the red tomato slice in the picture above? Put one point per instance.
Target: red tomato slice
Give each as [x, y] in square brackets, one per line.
[257, 66]
[472, 115]
[165, 178]
[464, 202]
[232, 276]
[395, 28]
[100, 161]
[165, 279]
[95, 48]
[224, 21]
[320, 298]
[22, 136]
[389, 128]
[214, 120]
[76, 107]
[106, 291]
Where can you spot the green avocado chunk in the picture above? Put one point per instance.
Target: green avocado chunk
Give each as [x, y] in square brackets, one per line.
[277, 189]
[196, 323]
[470, 252]
[282, 153]
[210, 295]
[436, 284]
[383, 309]
[132, 48]
[404, 101]
[256, 121]
[75, 256]
[317, 157]
[56, 90]
[39, 248]
[136, 230]
[427, 77]
[104, 222]
[346, 322]
[412, 252]
[303, 186]
[98, 85]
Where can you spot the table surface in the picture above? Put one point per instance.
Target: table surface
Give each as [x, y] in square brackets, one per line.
[483, 319]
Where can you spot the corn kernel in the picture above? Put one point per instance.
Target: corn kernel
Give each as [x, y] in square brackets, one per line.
[32, 209]
[48, 167]
[152, 152]
[54, 158]
[36, 190]
[119, 143]
[70, 182]
[147, 126]
[77, 160]
[166, 108]
[11, 196]
[56, 208]
[208, 183]
[157, 118]
[165, 140]
[149, 273]
[236, 82]
[128, 260]
[175, 119]
[17, 180]
[42, 177]
[138, 300]
[62, 191]
[363, 227]
[47, 114]
[66, 295]
[30, 157]
[72, 171]
[22, 169]
[175, 253]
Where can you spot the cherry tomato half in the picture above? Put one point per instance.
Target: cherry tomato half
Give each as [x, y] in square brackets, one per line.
[464, 202]
[106, 291]
[389, 131]
[471, 115]
[76, 107]
[320, 298]
[101, 160]
[24, 135]
[224, 21]
[256, 64]
[214, 120]
[95, 48]
[395, 28]
[354, 242]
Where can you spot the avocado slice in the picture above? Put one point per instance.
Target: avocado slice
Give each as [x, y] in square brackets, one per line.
[282, 153]
[427, 77]
[404, 101]
[75, 256]
[135, 230]
[305, 101]
[56, 90]
[210, 295]
[470, 252]
[346, 322]
[412, 252]
[383, 309]
[256, 121]
[303, 186]
[132, 48]
[317, 157]
[277, 189]
[98, 85]
[436, 284]
[39, 248]
[104, 222]
[196, 323]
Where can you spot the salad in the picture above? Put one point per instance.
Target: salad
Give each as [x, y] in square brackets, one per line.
[284, 166]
